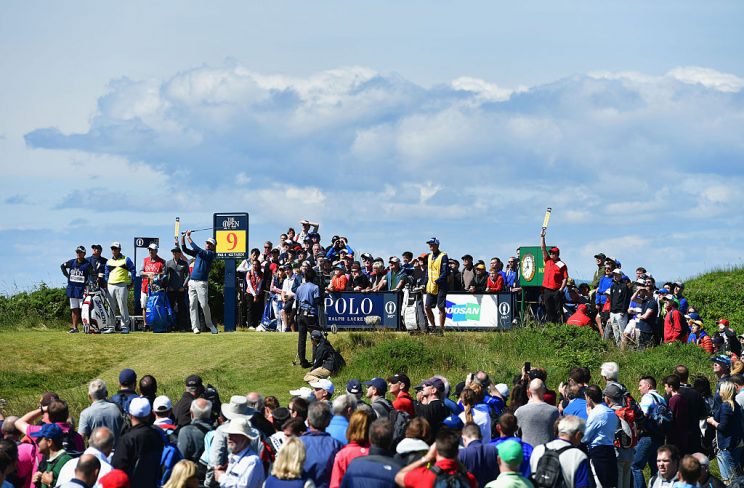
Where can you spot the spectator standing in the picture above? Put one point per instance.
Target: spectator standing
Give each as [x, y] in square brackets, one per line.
[614, 398]
[706, 480]
[342, 408]
[194, 388]
[139, 449]
[536, 418]
[677, 434]
[480, 279]
[506, 428]
[78, 272]
[478, 457]
[376, 390]
[177, 278]
[288, 467]
[85, 473]
[49, 441]
[429, 404]
[650, 437]
[255, 401]
[674, 322]
[244, 469]
[399, 385]
[378, 468]
[100, 413]
[191, 436]
[358, 445]
[100, 445]
[510, 457]
[574, 462]
[120, 273]
[728, 338]
[471, 415]
[308, 299]
[443, 456]
[727, 422]
[320, 446]
[436, 283]
[495, 282]
[554, 282]
[601, 425]
[467, 274]
[619, 297]
[647, 317]
[199, 281]
[127, 391]
[512, 274]
[696, 409]
[667, 464]
[54, 412]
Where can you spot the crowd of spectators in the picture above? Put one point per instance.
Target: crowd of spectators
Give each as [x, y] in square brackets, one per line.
[386, 432]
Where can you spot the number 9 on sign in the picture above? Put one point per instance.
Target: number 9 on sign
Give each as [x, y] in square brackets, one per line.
[230, 241]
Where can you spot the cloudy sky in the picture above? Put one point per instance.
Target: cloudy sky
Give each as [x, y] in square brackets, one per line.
[385, 121]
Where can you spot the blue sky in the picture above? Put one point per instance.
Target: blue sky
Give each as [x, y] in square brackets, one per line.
[388, 122]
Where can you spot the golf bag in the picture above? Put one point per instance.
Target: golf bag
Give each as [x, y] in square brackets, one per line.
[97, 313]
[414, 318]
[268, 319]
[159, 313]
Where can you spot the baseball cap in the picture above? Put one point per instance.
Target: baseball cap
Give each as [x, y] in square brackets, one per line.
[48, 431]
[693, 316]
[400, 378]
[162, 404]
[316, 334]
[555, 250]
[721, 359]
[503, 389]
[353, 386]
[153, 246]
[433, 240]
[613, 392]
[467, 256]
[304, 392]
[394, 259]
[379, 384]
[96, 246]
[480, 266]
[510, 452]
[194, 381]
[211, 241]
[80, 249]
[115, 478]
[724, 322]
[127, 377]
[323, 384]
[600, 255]
[435, 382]
[139, 407]
[367, 256]
[617, 271]
[116, 244]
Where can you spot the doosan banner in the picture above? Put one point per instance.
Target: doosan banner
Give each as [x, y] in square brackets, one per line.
[350, 310]
[467, 311]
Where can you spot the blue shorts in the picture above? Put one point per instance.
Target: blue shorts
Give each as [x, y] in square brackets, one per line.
[437, 299]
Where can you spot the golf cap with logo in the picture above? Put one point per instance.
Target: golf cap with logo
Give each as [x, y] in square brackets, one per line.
[153, 246]
[80, 249]
[510, 452]
[433, 240]
[242, 426]
[48, 431]
[400, 378]
[434, 382]
[323, 384]
[354, 387]
[211, 241]
[139, 407]
[194, 381]
[116, 245]
[379, 384]
[237, 408]
[162, 404]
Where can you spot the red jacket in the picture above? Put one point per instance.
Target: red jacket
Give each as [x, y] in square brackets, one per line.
[404, 403]
[673, 327]
[580, 317]
[495, 286]
[349, 452]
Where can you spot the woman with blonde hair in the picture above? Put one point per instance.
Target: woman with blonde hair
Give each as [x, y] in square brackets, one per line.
[287, 469]
[472, 415]
[183, 475]
[727, 422]
[358, 436]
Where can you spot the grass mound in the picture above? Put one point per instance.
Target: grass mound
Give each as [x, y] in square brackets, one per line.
[718, 294]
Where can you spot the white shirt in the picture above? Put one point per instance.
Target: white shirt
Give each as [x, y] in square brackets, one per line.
[482, 420]
[68, 470]
[244, 470]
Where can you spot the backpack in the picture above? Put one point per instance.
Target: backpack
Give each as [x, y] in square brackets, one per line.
[549, 473]
[211, 394]
[659, 418]
[627, 433]
[400, 421]
[170, 457]
[69, 444]
[458, 479]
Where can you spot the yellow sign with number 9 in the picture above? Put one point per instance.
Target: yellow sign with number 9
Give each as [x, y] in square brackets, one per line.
[231, 241]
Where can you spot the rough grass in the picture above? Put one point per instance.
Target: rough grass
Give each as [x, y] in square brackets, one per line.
[244, 361]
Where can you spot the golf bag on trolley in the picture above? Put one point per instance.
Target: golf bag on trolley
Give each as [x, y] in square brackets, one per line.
[412, 311]
[159, 313]
[97, 313]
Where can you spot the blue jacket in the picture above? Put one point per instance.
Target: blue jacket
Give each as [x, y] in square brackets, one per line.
[729, 430]
[480, 460]
[526, 453]
[321, 449]
[337, 428]
[605, 282]
[203, 261]
[377, 470]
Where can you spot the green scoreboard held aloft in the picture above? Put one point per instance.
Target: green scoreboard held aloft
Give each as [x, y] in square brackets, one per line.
[531, 266]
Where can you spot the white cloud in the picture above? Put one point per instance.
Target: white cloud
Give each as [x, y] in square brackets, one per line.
[707, 77]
